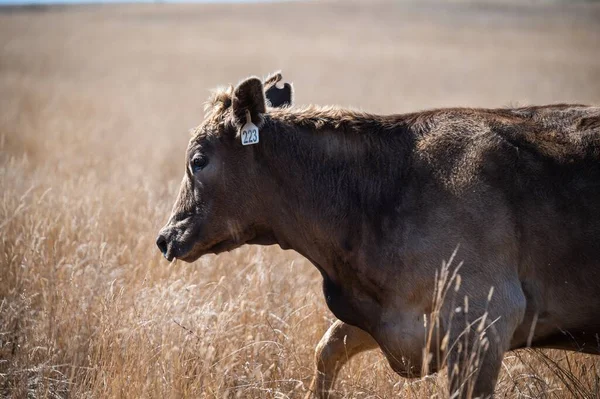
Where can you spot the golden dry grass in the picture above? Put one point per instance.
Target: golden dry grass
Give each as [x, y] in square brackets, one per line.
[95, 104]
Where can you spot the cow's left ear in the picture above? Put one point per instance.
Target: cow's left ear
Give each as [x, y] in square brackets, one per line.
[249, 96]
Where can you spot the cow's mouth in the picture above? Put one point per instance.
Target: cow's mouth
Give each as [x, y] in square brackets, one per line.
[218, 247]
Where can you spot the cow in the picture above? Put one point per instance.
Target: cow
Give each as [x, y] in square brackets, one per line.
[500, 205]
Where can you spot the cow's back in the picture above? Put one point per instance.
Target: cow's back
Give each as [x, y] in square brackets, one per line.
[532, 174]
[556, 194]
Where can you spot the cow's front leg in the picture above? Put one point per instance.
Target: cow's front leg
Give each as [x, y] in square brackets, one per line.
[338, 345]
[479, 339]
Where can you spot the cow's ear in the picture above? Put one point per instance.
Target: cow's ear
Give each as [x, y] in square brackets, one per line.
[278, 97]
[249, 96]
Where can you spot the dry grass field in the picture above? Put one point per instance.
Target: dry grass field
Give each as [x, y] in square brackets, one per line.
[95, 107]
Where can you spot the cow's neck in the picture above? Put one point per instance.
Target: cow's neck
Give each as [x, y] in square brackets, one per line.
[334, 191]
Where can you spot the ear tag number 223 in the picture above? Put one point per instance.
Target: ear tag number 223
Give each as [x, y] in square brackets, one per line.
[249, 132]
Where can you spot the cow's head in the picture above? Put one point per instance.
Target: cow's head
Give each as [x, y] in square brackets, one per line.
[219, 205]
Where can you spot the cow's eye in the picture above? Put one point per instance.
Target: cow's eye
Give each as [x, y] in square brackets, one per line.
[198, 163]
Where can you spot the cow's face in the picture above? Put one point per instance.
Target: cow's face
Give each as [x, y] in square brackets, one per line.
[219, 205]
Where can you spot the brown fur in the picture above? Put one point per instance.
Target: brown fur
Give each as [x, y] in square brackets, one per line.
[376, 203]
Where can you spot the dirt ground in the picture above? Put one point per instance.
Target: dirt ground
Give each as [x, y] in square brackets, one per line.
[95, 107]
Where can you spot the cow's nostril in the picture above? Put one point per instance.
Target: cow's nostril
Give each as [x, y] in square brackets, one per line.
[161, 243]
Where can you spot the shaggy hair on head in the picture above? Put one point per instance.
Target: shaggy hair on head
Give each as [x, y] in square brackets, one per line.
[218, 102]
[312, 116]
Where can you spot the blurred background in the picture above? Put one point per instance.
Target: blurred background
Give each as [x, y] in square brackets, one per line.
[95, 106]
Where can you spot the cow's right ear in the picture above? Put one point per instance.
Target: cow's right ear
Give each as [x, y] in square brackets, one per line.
[248, 96]
[278, 97]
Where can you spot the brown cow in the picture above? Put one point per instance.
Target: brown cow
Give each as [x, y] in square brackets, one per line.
[376, 203]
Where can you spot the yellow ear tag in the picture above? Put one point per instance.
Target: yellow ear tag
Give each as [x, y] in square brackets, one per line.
[249, 131]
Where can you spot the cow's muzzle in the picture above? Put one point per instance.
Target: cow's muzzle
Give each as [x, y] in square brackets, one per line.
[167, 244]
[163, 245]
